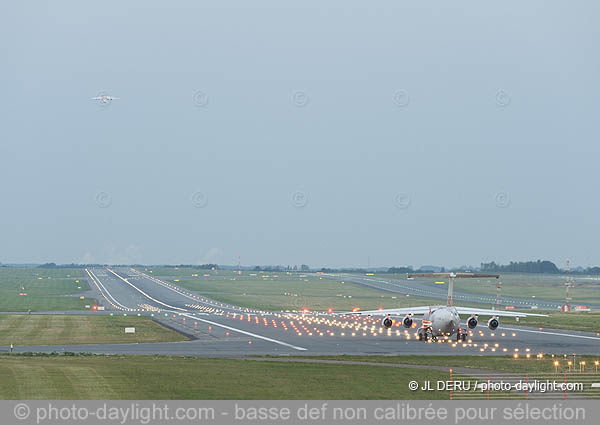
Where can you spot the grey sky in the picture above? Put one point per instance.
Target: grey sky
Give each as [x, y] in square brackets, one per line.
[484, 115]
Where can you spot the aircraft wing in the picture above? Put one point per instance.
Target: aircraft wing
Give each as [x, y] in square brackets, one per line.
[104, 98]
[401, 312]
[485, 312]
[394, 312]
[460, 275]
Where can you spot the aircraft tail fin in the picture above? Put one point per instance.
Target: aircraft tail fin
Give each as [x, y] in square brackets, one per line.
[451, 276]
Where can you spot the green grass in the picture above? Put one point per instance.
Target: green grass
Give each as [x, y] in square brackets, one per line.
[45, 289]
[547, 287]
[589, 322]
[266, 292]
[496, 363]
[293, 291]
[169, 271]
[56, 273]
[162, 377]
[80, 329]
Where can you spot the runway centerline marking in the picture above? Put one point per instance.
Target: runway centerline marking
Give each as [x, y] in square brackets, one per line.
[98, 284]
[275, 341]
[143, 293]
[164, 285]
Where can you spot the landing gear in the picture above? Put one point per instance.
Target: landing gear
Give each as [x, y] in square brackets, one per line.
[425, 334]
[461, 335]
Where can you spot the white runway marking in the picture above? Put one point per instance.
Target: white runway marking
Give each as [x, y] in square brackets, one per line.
[275, 341]
[145, 294]
[98, 284]
[155, 280]
[165, 285]
[247, 333]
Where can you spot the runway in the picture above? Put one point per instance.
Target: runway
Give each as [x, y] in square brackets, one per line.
[219, 329]
[423, 288]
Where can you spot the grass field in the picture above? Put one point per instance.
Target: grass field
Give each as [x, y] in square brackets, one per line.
[170, 271]
[589, 322]
[497, 363]
[81, 329]
[548, 287]
[45, 289]
[294, 291]
[161, 377]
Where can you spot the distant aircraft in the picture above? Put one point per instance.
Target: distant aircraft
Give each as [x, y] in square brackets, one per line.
[104, 98]
[443, 320]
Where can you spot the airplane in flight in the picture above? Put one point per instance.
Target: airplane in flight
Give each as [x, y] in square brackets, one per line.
[444, 321]
[104, 99]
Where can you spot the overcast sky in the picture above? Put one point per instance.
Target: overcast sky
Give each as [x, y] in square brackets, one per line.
[382, 133]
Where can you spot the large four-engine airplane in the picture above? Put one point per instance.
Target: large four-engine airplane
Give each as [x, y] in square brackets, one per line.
[444, 320]
[104, 99]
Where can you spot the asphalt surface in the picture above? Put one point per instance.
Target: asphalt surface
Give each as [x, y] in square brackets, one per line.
[423, 288]
[219, 329]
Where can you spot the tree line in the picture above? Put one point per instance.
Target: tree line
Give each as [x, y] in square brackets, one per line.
[539, 266]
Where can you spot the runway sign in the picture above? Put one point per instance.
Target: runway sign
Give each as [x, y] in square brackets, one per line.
[129, 330]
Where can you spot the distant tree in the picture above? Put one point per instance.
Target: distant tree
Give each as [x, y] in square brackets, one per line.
[353, 270]
[539, 266]
[400, 270]
[304, 267]
[206, 266]
[593, 270]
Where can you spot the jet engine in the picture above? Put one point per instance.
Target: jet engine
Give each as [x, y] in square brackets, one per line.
[407, 322]
[493, 324]
[387, 322]
[472, 322]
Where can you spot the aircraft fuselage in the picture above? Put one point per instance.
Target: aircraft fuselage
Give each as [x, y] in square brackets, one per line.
[444, 321]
